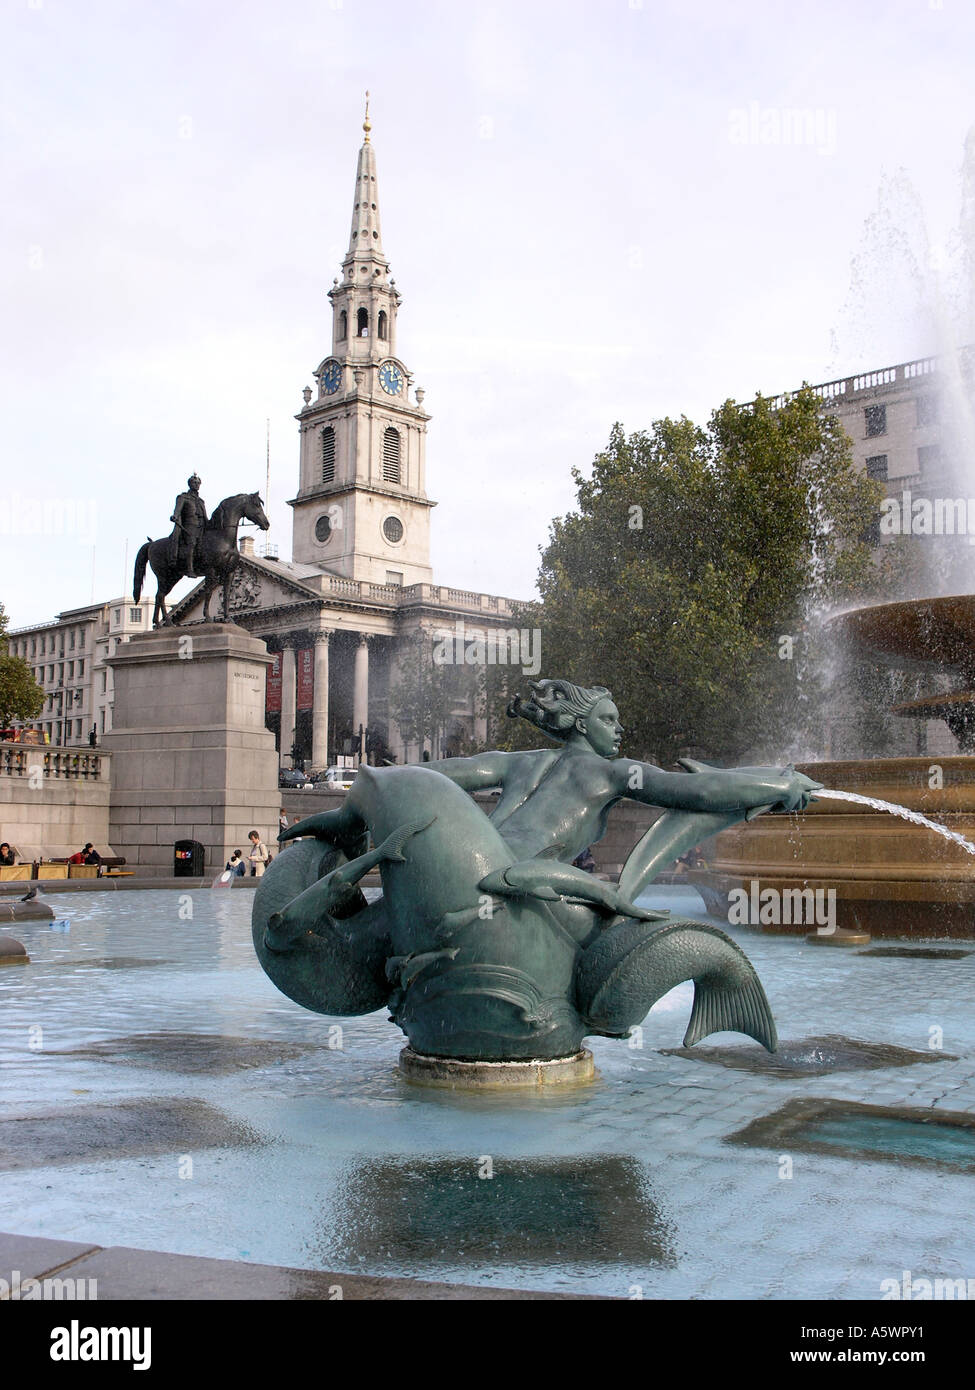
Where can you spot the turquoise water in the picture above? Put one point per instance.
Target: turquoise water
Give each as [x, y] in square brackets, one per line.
[313, 1152]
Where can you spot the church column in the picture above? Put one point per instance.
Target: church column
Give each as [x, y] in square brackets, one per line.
[319, 717]
[289, 694]
[360, 686]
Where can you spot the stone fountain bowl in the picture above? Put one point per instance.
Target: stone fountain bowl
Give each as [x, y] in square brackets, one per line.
[890, 877]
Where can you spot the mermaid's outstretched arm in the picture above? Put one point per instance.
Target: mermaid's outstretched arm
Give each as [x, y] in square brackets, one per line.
[677, 831]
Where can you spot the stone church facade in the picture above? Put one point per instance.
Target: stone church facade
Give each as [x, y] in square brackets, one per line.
[357, 602]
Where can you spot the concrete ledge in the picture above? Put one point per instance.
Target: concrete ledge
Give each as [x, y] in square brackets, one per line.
[122, 1274]
[12, 952]
[456, 1075]
[112, 885]
[16, 911]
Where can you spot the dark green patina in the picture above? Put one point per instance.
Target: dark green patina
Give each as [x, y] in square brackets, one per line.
[487, 943]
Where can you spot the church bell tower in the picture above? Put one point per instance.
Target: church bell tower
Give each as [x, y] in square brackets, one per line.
[362, 511]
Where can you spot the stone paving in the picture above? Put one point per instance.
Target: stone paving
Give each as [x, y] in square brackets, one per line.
[663, 1205]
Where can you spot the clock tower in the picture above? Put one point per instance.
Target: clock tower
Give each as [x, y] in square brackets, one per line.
[362, 510]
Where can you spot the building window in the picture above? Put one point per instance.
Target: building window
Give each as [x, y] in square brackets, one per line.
[135, 615]
[876, 418]
[33, 647]
[77, 728]
[71, 639]
[116, 615]
[343, 326]
[328, 454]
[70, 670]
[928, 409]
[323, 529]
[877, 467]
[101, 675]
[393, 529]
[362, 323]
[928, 458]
[382, 324]
[394, 577]
[391, 468]
[81, 668]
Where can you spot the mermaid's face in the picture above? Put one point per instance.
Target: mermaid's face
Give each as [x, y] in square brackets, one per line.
[603, 729]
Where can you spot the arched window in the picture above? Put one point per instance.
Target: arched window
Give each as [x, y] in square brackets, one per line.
[362, 324]
[382, 324]
[391, 468]
[343, 326]
[328, 454]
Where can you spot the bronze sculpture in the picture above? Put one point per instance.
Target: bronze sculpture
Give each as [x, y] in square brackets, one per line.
[190, 517]
[198, 547]
[487, 944]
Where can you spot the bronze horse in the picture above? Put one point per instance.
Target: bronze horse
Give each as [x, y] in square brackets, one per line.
[216, 554]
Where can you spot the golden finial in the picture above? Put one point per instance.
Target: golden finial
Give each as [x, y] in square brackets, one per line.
[366, 126]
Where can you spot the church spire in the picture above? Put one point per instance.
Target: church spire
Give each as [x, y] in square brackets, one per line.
[365, 241]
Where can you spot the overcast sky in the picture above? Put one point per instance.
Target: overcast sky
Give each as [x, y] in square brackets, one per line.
[596, 210]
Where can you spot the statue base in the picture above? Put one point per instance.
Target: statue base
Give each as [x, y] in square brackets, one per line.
[452, 1074]
[839, 937]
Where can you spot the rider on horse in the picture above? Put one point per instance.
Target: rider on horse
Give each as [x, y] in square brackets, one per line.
[190, 516]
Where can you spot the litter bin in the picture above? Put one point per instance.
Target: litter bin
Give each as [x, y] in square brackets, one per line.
[188, 859]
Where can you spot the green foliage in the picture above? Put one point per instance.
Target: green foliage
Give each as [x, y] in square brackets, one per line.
[689, 578]
[20, 695]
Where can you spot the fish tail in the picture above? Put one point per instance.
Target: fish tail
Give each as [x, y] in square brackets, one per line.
[740, 1009]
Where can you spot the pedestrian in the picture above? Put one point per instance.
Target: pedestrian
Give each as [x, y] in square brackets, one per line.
[283, 819]
[236, 864]
[259, 856]
[7, 857]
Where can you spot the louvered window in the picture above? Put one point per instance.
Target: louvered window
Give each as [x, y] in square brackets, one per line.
[391, 468]
[328, 454]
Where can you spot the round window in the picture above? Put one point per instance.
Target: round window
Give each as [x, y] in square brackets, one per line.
[323, 528]
[393, 529]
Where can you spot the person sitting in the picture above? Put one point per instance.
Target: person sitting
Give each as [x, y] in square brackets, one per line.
[236, 864]
[79, 856]
[7, 857]
[90, 855]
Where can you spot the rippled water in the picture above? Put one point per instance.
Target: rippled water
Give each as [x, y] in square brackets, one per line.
[180, 1103]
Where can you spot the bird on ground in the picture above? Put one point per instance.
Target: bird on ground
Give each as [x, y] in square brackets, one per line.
[29, 897]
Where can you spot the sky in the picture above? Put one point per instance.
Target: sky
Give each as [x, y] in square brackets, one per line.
[595, 210]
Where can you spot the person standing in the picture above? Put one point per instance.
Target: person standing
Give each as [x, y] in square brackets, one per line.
[259, 857]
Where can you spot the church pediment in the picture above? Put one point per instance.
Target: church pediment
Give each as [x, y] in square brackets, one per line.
[255, 587]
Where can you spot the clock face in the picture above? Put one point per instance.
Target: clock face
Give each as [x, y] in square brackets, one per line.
[391, 378]
[331, 377]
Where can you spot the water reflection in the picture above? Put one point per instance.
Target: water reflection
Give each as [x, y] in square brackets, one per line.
[595, 1209]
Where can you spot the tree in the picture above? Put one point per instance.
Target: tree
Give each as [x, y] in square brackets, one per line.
[690, 577]
[20, 695]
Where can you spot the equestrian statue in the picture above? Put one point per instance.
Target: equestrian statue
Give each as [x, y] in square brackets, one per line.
[199, 547]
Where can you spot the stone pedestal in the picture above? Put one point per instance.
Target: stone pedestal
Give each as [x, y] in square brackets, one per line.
[192, 759]
[452, 1074]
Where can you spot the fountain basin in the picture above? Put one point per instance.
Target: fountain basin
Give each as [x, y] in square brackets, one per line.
[889, 877]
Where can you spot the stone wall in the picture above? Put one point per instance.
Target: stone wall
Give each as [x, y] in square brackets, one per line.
[47, 810]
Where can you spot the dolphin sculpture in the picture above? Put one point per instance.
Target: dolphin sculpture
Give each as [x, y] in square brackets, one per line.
[478, 955]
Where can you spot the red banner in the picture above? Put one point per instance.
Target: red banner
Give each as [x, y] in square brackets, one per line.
[272, 698]
[305, 663]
